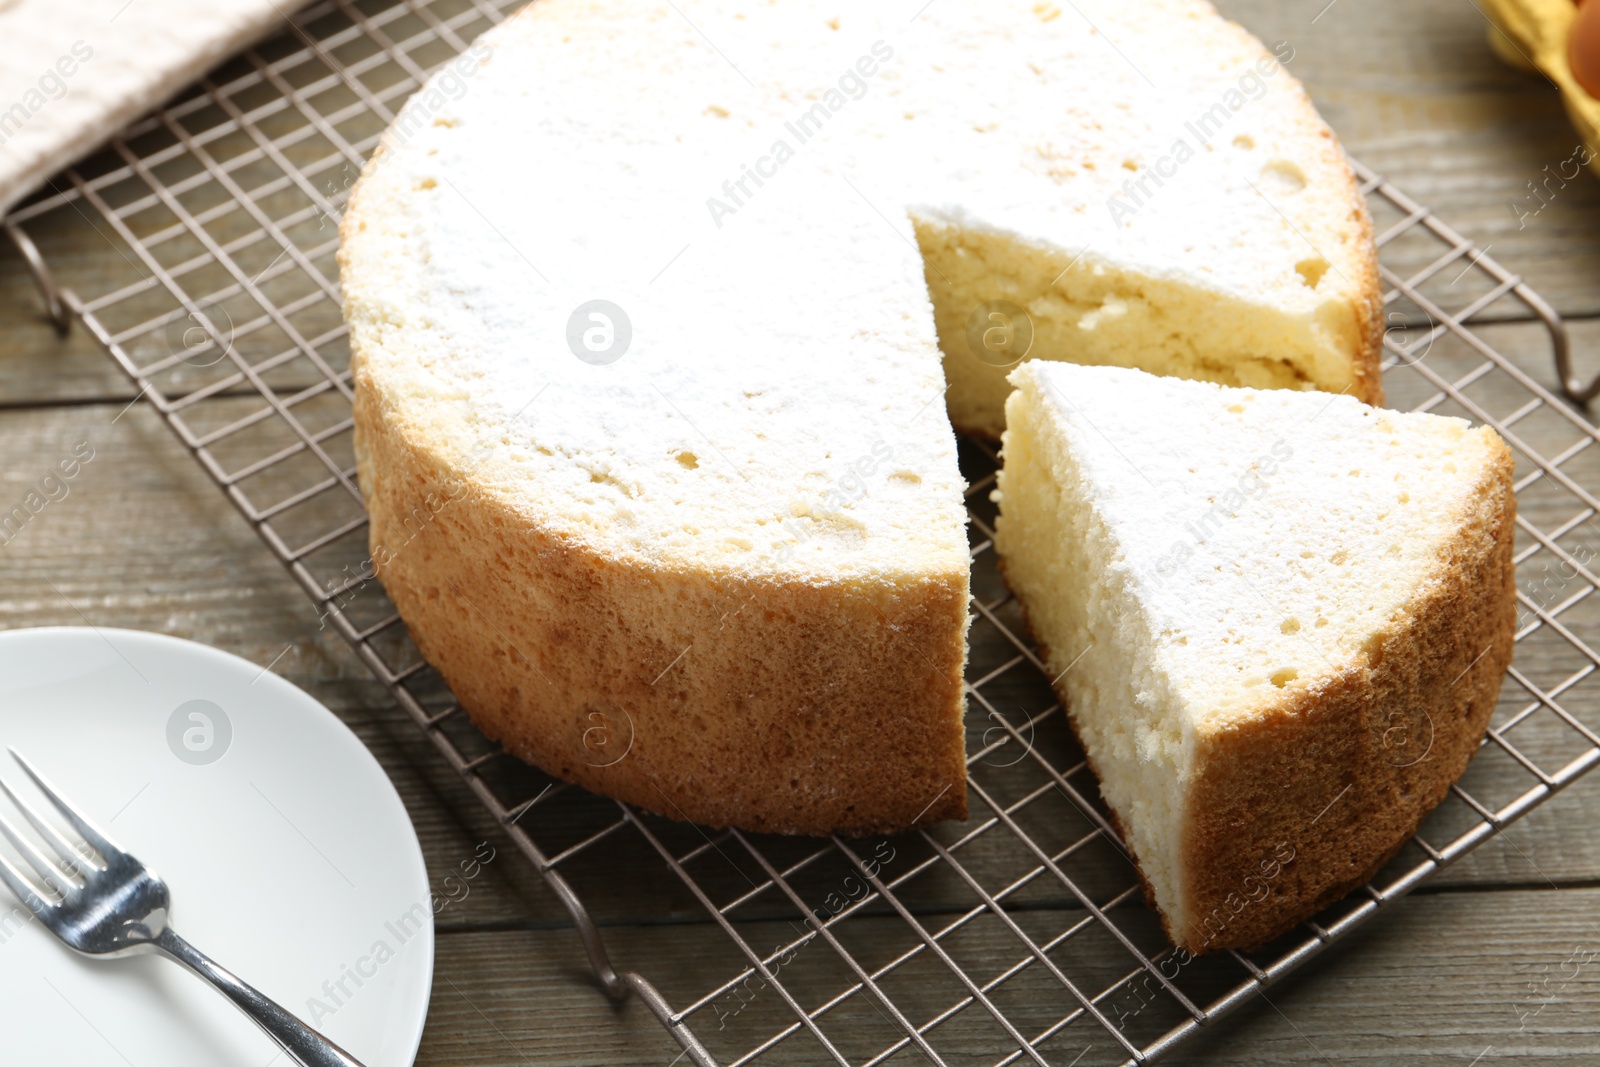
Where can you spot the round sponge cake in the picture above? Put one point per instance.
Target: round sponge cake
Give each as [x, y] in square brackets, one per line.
[657, 311]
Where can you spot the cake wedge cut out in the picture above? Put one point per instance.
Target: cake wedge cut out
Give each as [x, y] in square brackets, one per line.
[1278, 622]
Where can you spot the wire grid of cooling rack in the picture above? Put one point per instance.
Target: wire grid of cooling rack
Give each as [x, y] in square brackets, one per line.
[1019, 935]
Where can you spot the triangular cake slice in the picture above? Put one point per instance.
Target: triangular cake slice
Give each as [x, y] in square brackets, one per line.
[1278, 621]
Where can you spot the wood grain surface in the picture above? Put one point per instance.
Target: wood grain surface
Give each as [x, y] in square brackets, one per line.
[1497, 957]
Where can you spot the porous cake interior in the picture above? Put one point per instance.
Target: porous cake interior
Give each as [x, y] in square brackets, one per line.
[1101, 314]
[1192, 557]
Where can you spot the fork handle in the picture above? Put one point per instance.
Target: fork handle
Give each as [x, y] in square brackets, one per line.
[299, 1042]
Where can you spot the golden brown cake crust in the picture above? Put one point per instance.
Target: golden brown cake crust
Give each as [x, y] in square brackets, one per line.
[1367, 306]
[1301, 805]
[802, 708]
[1297, 807]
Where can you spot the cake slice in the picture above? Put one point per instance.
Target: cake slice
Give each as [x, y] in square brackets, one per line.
[1278, 622]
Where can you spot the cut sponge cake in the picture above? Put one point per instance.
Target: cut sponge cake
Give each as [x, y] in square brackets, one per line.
[1279, 621]
[647, 364]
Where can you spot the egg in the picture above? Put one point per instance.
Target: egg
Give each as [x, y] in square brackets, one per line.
[1583, 47]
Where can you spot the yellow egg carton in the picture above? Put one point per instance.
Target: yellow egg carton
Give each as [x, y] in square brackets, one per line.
[1533, 34]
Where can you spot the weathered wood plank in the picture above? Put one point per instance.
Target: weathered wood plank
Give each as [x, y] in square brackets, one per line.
[1439, 978]
[1445, 978]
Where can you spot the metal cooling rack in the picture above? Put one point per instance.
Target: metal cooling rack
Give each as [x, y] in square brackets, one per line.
[1018, 935]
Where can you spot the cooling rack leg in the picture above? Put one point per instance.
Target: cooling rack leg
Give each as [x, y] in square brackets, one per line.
[1561, 344]
[55, 306]
[618, 985]
[698, 1055]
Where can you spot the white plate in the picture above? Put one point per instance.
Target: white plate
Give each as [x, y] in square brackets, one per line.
[290, 858]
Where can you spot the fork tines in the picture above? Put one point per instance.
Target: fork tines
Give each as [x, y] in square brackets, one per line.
[71, 860]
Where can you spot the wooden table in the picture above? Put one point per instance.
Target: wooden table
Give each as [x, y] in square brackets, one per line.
[146, 541]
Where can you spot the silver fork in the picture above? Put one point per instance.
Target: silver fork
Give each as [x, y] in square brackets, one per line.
[118, 907]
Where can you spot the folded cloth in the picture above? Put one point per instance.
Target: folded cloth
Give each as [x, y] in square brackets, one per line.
[73, 72]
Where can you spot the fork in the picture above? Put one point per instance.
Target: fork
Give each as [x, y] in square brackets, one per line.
[118, 907]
